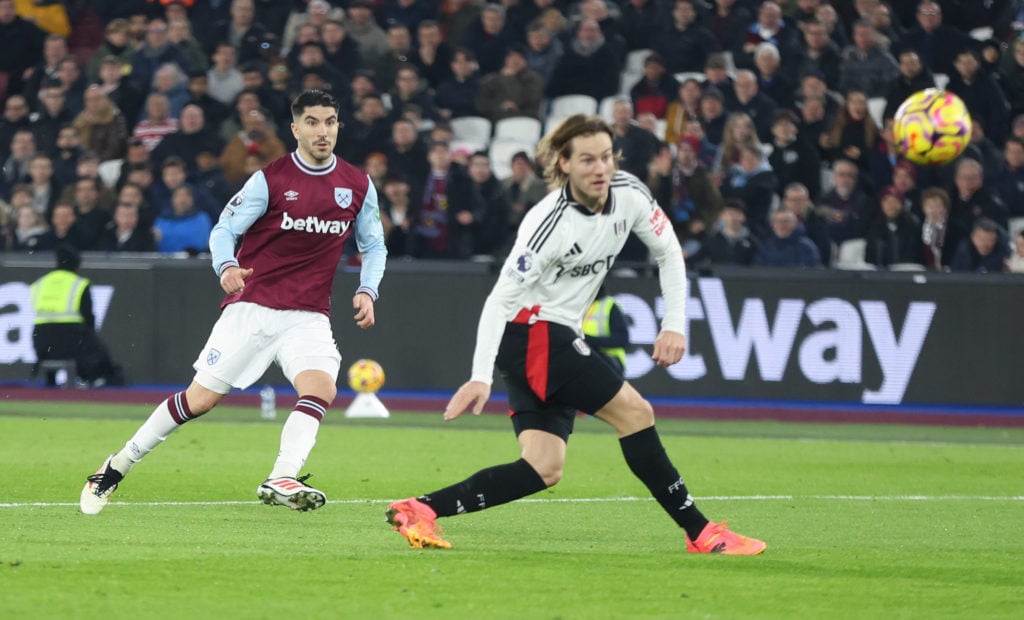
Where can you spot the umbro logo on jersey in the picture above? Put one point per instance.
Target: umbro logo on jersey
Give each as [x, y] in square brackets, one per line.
[313, 224]
[291, 195]
[575, 250]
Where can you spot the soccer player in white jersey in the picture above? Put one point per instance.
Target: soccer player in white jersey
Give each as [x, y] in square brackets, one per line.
[292, 219]
[530, 328]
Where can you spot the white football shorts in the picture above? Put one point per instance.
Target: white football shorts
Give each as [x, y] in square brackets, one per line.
[248, 337]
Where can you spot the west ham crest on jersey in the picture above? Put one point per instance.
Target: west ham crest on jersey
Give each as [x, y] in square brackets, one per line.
[343, 196]
[212, 357]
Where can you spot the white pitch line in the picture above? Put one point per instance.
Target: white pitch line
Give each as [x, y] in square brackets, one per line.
[583, 500]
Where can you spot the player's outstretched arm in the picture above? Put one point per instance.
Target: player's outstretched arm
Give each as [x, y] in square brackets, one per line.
[472, 394]
[363, 305]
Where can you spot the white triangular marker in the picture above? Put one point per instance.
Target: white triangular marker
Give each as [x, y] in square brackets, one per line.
[367, 405]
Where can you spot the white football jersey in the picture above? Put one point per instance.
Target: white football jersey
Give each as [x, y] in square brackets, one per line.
[563, 252]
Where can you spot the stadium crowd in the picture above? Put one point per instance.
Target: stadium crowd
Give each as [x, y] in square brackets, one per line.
[763, 127]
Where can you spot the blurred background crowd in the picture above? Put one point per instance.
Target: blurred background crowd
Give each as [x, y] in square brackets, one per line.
[762, 127]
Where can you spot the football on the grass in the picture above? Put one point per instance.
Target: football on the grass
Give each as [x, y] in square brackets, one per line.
[932, 127]
[366, 376]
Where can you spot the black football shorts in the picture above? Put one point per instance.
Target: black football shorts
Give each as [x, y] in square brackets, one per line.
[551, 373]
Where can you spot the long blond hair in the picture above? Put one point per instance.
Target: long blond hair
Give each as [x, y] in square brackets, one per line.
[558, 143]
[730, 150]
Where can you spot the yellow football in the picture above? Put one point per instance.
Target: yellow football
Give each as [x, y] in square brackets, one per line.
[365, 376]
[932, 127]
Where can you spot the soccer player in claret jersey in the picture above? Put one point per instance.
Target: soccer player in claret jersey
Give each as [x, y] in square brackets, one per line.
[530, 328]
[292, 218]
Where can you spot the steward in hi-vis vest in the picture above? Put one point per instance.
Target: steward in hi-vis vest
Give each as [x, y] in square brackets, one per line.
[65, 327]
[605, 329]
[57, 297]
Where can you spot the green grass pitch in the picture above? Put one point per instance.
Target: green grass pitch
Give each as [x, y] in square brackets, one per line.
[861, 522]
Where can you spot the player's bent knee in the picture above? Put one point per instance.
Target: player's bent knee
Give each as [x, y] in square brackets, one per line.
[644, 413]
[201, 397]
[552, 479]
[628, 412]
[551, 475]
[545, 453]
[547, 465]
[316, 382]
[325, 393]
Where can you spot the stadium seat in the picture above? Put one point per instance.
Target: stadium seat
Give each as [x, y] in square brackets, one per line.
[604, 109]
[501, 152]
[632, 70]
[690, 75]
[828, 179]
[549, 123]
[627, 80]
[1014, 226]
[521, 128]
[906, 267]
[984, 33]
[470, 146]
[567, 105]
[475, 129]
[730, 64]
[110, 172]
[850, 256]
[876, 107]
[635, 60]
[941, 79]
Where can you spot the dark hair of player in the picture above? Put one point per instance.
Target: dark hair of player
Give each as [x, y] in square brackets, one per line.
[311, 98]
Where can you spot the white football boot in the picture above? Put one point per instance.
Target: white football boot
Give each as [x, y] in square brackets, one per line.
[290, 492]
[99, 487]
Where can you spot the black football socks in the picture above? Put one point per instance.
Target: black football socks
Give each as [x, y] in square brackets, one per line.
[485, 489]
[647, 459]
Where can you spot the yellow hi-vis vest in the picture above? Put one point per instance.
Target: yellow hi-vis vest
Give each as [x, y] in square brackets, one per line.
[57, 297]
[597, 322]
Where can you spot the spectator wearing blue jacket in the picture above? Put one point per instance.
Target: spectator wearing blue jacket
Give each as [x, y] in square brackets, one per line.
[786, 245]
[173, 174]
[753, 181]
[186, 229]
